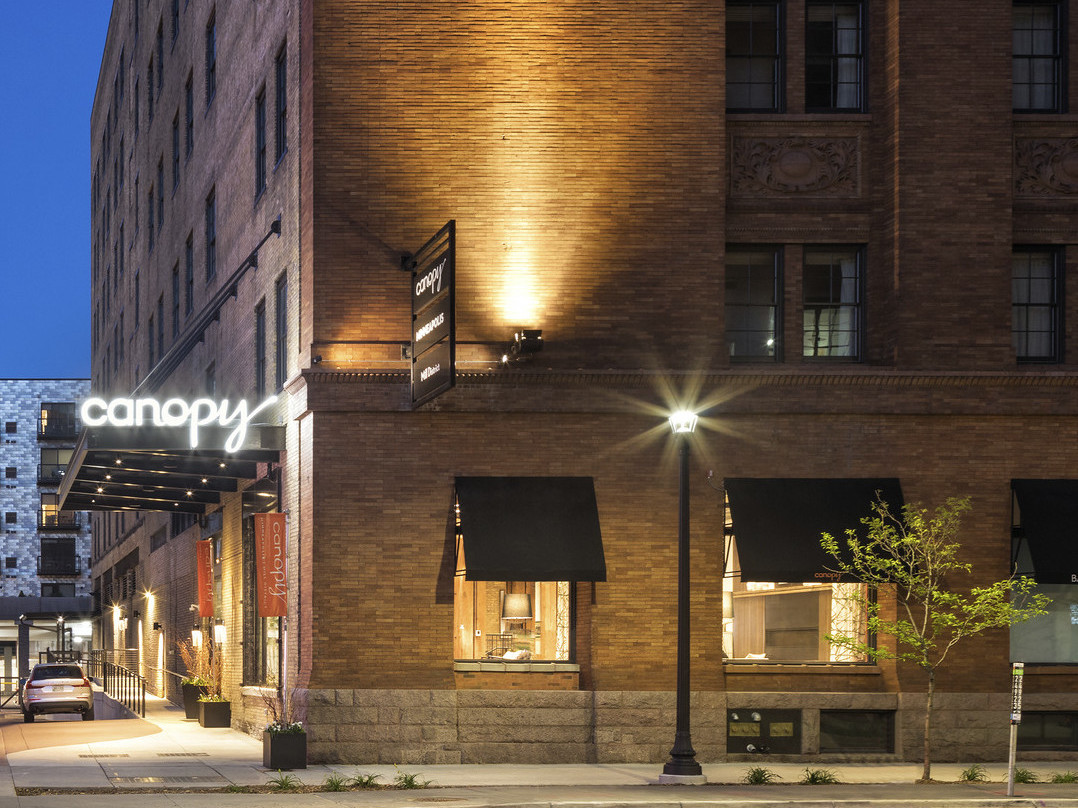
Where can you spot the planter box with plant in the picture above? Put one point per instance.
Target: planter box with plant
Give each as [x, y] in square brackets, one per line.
[199, 679]
[284, 748]
[192, 688]
[213, 711]
[284, 740]
[205, 667]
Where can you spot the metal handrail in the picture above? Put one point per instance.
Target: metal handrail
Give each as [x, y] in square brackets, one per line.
[180, 676]
[126, 686]
[9, 690]
[122, 683]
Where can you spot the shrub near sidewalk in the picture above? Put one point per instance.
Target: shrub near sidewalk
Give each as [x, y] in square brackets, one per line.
[409, 780]
[283, 781]
[819, 777]
[974, 774]
[365, 781]
[758, 775]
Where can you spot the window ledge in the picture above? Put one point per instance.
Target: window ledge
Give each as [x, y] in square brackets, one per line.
[258, 691]
[1044, 117]
[1051, 668]
[508, 666]
[757, 666]
[799, 117]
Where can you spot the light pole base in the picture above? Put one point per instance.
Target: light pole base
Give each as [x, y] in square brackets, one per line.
[682, 779]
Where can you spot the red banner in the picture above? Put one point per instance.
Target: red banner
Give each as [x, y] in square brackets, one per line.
[270, 532]
[204, 564]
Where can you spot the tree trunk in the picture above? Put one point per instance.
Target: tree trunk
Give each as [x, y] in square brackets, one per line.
[926, 773]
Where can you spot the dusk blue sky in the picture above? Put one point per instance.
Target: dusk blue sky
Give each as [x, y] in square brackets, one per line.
[50, 54]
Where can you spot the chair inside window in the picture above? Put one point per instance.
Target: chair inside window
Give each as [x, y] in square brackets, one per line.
[499, 644]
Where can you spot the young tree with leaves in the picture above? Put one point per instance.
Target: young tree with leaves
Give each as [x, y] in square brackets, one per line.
[915, 556]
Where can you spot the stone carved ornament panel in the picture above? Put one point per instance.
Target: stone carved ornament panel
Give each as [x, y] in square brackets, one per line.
[1045, 166]
[794, 165]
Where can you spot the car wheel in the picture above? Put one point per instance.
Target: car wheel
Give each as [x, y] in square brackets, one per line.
[28, 718]
[88, 715]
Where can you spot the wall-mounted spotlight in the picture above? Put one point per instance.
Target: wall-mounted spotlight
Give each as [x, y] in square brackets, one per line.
[157, 626]
[525, 341]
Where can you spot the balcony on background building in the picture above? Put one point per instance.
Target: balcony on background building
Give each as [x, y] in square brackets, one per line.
[59, 564]
[57, 427]
[59, 520]
[50, 473]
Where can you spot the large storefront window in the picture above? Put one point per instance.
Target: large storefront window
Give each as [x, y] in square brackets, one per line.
[1052, 637]
[1043, 548]
[511, 620]
[782, 598]
[785, 621]
[521, 545]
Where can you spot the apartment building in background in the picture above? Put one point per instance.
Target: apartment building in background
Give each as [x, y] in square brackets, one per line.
[46, 550]
[841, 232]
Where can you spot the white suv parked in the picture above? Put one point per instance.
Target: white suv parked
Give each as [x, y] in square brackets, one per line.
[57, 687]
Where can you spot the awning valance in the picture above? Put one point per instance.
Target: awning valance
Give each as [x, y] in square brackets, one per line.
[777, 522]
[1048, 511]
[530, 529]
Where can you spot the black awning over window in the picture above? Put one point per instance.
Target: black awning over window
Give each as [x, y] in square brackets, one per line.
[778, 522]
[1049, 517]
[530, 529]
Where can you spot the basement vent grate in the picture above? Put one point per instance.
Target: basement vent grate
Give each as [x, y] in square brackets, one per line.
[183, 754]
[122, 754]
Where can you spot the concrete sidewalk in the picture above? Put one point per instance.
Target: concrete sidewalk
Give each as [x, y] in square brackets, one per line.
[171, 754]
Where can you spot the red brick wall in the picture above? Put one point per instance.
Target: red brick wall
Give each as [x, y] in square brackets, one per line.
[579, 148]
[381, 515]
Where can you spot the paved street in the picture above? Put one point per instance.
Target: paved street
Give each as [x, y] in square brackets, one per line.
[178, 758]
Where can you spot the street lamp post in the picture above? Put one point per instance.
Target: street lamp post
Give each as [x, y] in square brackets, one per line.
[682, 766]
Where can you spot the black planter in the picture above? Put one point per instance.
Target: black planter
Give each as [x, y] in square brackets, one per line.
[215, 713]
[284, 750]
[190, 699]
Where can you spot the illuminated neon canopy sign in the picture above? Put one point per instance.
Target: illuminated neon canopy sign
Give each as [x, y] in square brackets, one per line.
[175, 412]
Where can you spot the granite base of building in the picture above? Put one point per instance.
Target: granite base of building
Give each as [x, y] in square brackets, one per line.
[505, 726]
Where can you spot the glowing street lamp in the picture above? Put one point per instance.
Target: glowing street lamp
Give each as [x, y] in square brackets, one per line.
[683, 766]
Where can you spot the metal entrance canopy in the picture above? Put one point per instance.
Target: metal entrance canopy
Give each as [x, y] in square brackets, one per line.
[155, 469]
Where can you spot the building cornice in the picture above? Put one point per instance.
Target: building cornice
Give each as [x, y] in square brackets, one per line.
[739, 378]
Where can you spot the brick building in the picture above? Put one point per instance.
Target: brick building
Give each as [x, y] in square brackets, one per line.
[839, 231]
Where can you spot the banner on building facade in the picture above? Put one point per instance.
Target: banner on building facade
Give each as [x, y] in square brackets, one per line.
[270, 533]
[204, 564]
